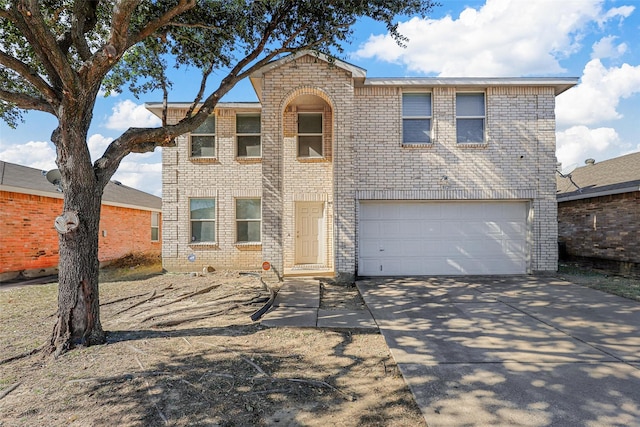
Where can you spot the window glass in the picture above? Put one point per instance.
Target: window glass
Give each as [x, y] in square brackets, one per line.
[416, 105]
[203, 139]
[155, 226]
[416, 118]
[470, 117]
[202, 214]
[248, 231]
[248, 220]
[208, 127]
[246, 123]
[310, 123]
[248, 135]
[310, 146]
[470, 130]
[310, 135]
[470, 104]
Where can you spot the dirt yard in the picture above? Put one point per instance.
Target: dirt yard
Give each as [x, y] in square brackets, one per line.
[182, 351]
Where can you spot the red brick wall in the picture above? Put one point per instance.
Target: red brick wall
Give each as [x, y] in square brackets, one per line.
[29, 241]
[27, 237]
[606, 227]
[127, 231]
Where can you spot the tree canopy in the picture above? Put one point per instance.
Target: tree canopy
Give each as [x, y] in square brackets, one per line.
[57, 55]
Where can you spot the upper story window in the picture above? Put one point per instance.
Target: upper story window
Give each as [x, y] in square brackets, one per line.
[310, 135]
[155, 226]
[416, 118]
[470, 118]
[248, 220]
[248, 135]
[202, 216]
[203, 139]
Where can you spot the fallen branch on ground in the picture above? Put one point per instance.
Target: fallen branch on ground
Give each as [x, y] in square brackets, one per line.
[193, 318]
[3, 393]
[119, 378]
[199, 306]
[151, 298]
[21, 355]
[192, 294]
[122, 299]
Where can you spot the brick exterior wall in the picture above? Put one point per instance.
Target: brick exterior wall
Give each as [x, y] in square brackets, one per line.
[364, 159]
[30, 243]
[224, 178]
[517, 162]
[603, 227]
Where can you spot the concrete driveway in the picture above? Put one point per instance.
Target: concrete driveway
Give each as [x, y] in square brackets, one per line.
[531, 351]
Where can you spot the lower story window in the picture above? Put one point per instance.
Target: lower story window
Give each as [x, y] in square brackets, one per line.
[248, 220]
[203, 220]
[155, 226]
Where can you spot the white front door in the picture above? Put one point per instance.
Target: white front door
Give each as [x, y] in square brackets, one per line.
[309, 226]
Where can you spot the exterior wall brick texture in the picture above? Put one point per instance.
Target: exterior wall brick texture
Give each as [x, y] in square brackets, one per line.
[603, 227]
[29, 241]
[365, 159]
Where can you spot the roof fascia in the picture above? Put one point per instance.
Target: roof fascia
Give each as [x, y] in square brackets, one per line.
[579, 196]
[560, 84]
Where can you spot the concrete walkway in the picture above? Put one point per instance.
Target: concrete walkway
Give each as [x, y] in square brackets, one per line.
[512, 351]
[297, 304]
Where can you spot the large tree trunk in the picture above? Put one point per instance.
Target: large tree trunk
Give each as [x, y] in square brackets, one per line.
[78, 320]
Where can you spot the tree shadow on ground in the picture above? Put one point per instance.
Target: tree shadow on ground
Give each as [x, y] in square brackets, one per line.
[512, 350]
[211, 376]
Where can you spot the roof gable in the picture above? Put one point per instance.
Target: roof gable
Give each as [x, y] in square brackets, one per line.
[257, 76]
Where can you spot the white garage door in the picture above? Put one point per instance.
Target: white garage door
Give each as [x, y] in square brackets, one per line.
[441, 238]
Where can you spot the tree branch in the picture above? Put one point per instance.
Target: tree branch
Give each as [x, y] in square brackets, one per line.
[44, 43]
[26, 102]
[203, 85]
[30, 76]
[84, 19]
[153, 26]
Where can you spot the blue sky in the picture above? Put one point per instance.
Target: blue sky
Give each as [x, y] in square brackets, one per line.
[595, 40]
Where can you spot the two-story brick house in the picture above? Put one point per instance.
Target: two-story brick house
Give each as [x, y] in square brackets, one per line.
[333, 172]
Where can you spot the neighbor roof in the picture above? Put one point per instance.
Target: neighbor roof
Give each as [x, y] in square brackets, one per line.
[23, 179]
[614, 176]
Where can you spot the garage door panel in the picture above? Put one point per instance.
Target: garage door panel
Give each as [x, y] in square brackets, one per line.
[436, 238]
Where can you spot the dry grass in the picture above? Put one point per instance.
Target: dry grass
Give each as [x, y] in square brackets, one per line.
[219, 370]
[628, 287]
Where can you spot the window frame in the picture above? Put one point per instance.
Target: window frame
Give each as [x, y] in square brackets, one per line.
[156, 216]
[240, 135]
[471, 117]
[426, 117]
[247, 220]
[214, 135]
[213, 220]
[321, 134]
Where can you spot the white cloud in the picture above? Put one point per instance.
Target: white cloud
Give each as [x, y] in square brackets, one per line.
[578, 143]
[97, 144]
[128, 114]
[604, 48]
[35, 154]
[617, 12]
[502, 38]
[596, 98]
[138, 171]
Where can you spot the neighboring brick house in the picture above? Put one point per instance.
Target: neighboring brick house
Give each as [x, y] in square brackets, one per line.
[129, 222]
[337, 173]
[600, 222]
